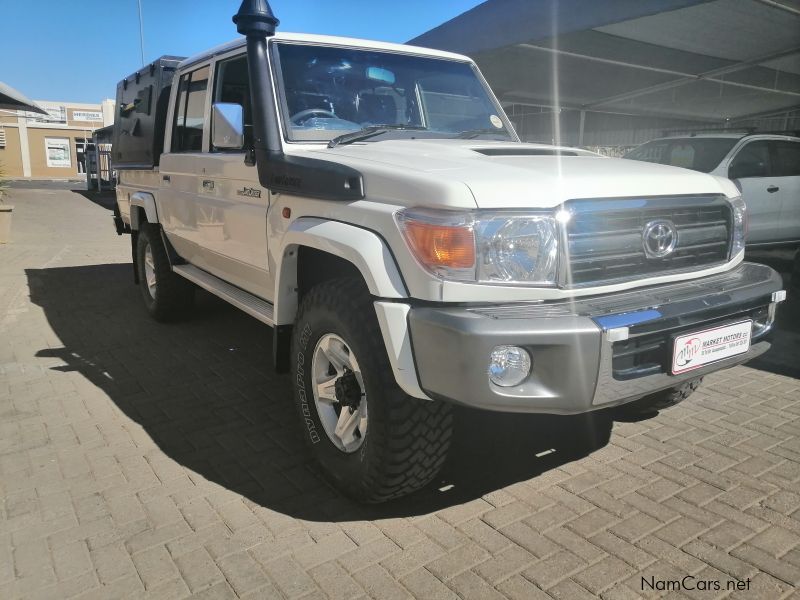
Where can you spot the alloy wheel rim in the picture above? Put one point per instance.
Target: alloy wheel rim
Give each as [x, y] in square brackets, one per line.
[339, 394]
[150, 271]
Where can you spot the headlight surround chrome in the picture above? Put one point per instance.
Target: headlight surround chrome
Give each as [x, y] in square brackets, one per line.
[506, 247]
[739, 233]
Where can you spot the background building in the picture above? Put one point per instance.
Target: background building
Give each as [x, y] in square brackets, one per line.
[50, 146]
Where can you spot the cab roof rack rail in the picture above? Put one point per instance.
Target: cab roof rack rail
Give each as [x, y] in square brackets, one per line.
[743, 131]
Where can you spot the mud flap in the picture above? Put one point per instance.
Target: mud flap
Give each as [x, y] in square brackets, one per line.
[281, 343]
[134, 240]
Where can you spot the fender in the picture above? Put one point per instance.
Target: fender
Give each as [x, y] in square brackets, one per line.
[361, 247]
[148, 203]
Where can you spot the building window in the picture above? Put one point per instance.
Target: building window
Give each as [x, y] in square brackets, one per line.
[57, 150]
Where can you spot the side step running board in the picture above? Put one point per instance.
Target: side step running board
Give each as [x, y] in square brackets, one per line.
[252, 305]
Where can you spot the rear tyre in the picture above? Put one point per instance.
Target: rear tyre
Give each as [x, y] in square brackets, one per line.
[166, 296]
[653, 403]
[373, 441]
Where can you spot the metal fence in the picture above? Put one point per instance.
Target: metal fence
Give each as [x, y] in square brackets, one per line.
[100, 173]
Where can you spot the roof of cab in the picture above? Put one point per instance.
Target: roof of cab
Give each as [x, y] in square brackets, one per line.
[721, 134]
[726, 135]
[327, 40]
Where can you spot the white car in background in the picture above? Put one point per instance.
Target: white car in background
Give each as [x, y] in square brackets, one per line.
[765, 167]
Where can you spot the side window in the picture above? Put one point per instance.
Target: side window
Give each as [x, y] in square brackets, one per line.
[787, 159]
[232, 85]
[187, 132]
[751, 161]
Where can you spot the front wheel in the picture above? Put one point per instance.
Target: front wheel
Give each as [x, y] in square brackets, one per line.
[373, 441]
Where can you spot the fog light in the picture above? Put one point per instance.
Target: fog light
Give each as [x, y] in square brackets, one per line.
[508, 365]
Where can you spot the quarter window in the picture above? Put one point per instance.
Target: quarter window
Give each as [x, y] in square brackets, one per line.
[187, 133]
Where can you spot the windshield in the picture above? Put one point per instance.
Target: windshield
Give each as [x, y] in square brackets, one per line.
[699, 154]
[330, 91]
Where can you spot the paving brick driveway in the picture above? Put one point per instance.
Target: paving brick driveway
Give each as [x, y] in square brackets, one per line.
[139, 459]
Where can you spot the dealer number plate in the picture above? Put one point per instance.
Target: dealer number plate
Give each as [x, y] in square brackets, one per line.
[700, 348]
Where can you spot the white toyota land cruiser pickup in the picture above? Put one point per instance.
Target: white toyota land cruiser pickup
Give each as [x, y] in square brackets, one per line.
[372, 203]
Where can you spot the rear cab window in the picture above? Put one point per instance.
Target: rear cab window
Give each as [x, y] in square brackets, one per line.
[190, 111]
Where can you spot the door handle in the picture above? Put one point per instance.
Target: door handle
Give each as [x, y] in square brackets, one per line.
[772, 189]
[165, 178]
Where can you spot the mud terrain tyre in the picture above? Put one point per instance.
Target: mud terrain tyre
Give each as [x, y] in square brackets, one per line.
[373, 441]
[166, 296]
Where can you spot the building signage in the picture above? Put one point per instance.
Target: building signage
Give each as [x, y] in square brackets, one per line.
[55, 114]
[57, 150]
[87, 115]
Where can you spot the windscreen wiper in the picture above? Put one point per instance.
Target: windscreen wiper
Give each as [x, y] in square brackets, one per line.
[368, 132]
[473, 133]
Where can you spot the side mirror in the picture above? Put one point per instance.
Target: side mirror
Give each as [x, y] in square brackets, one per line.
[227, 126]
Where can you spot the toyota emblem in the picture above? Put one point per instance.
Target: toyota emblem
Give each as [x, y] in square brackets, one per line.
[659, 238]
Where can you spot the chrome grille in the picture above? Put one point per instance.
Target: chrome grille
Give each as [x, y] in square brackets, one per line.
[605, 237]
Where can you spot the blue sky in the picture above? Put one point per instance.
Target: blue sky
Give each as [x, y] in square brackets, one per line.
[78, 50]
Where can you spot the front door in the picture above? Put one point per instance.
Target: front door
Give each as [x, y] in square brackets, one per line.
[232, 222]
[231, 204]
[751, 169]
[177, 197]
[786, 168]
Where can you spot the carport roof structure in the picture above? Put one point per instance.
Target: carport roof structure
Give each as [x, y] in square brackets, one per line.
[705, 60]
[11, 99]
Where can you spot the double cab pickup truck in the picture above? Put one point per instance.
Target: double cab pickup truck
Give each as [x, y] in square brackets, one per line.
[372, 203]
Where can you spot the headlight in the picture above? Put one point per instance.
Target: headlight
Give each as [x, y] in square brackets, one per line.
[483, 246]
[739, 225]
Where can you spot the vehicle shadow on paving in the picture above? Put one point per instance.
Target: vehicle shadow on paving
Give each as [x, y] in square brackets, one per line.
[204, 391]
[106, 199]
